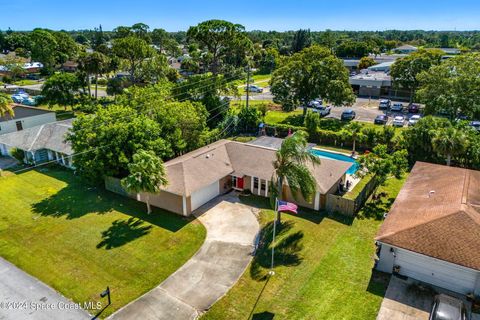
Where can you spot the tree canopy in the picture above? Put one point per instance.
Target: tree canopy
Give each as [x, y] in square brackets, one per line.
[309, 74]
[452, 87]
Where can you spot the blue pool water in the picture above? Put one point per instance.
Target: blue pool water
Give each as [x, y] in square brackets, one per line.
[337, 156]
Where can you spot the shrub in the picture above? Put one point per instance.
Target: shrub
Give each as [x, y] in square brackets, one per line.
[18, 154]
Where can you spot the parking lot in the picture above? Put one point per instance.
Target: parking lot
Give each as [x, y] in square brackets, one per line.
[367, 110]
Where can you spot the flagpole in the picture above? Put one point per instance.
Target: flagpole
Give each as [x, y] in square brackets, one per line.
[273, 239]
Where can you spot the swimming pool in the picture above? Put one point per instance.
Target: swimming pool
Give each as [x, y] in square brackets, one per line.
[337, 156]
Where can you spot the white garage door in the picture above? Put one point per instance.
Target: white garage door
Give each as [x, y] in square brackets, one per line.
[439, 273]
[205, 194]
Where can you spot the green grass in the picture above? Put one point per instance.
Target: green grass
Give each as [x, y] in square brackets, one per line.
[79, 239]
[25, 82]
[323, 270]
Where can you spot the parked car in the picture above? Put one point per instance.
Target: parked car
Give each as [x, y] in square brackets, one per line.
[475, 125]
[322, 110]
[254, 88]
[397, 107]
[384, 104]
[446, 307]
[399, 121]
[414, 119]
[348, 114]
[381, 119]
[413, 108]
[315, 102]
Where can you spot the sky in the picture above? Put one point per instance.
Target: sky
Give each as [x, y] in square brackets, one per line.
[280, 15]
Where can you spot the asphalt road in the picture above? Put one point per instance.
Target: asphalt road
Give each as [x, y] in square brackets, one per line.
[24, 297]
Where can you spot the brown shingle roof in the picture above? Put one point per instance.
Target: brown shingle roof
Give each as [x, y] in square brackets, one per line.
[206, 165]
[436, 214]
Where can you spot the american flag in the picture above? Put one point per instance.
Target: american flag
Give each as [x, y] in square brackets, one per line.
[287, 206]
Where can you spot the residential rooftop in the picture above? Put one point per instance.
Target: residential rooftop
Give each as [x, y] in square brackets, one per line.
[437, 213]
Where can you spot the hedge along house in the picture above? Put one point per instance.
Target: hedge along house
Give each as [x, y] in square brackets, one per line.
[25, 117]
[201, 175]
[41, 143]
[432, 232]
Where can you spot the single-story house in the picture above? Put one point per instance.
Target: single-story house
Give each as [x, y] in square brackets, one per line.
[25, 117]
[406, 49]
[201, 175]
[432, 232]
[41, 143]
[70, 66]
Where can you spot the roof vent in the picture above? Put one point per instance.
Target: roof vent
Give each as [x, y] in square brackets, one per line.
[431, 193]
[207, 156]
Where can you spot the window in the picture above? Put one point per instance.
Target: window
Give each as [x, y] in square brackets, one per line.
[255, 183]
[234, 181]
[263, 185]
[19, 125]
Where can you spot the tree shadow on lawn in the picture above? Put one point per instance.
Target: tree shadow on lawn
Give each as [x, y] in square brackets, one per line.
[79, 198]
[123, 231]
[376, 208]
[287, 250]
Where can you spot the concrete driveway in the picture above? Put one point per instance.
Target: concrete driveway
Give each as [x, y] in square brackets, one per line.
[403, 301]
[227, 251]
[24, 297]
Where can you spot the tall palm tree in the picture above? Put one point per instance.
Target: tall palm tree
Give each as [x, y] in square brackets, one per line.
[292, 167]
[6, 105]
[94, 63]
[354, 129]
[449, 142]
[147, 174]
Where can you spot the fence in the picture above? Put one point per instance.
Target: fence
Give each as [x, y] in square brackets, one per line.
[113, 184]
[349, 207]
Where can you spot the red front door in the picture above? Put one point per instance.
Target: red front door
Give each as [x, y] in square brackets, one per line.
[239, 183]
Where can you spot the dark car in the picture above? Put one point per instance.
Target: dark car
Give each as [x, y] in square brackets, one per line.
[413, 108]
[348, 114]
[447, 308]
[381, 119]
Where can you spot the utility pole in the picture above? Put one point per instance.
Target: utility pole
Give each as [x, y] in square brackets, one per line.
[248, 85]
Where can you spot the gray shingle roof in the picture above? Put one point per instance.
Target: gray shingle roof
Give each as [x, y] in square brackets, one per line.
[48, 136]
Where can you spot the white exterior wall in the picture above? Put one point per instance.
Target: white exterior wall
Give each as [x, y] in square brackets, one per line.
[429, 270]
[29, 122]
[202, 196]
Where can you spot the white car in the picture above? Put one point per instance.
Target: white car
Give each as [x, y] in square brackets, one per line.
[254, 88]
[399, 121]
[414, 119]
[322, 110]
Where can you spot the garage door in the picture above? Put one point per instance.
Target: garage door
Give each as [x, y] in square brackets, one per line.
[436, 272]
[205, 194]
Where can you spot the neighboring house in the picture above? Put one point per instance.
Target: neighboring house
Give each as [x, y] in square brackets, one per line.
[382, 67]
[29, 67]
[199, 176]
[432, 232]
[41, 143]
[406, 49]
[70, 66]
[25, 117]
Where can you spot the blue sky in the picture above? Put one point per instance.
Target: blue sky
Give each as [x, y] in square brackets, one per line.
[278, 15]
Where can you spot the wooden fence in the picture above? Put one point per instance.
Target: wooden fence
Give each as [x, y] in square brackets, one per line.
[349, 207]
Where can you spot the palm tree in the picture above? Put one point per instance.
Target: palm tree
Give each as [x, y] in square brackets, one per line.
[354, 128]
[292, 167]
[94, 63]
[147, 174]
[449, 142]
[6, 105]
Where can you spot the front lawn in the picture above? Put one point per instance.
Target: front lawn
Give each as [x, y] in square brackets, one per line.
[323, 269]
[79, 239]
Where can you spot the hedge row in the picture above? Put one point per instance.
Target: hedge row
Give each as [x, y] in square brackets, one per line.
[327, 137]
